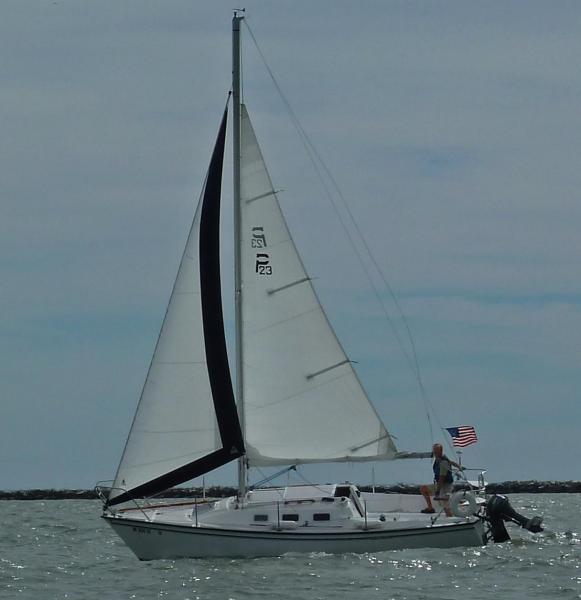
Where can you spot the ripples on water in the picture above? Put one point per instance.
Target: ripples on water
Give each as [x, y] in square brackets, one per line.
[61, 549]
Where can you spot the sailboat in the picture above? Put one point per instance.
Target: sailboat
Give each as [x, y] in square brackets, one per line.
[298, 399]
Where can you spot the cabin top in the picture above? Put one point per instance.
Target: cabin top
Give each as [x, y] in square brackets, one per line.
[302, 492]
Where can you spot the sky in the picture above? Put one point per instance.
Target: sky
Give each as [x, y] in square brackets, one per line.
[453, 130]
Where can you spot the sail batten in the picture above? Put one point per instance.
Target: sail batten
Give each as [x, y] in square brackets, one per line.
[303, 400]
[186, 422]
[261, 196]
[326, 369]
[288, 285]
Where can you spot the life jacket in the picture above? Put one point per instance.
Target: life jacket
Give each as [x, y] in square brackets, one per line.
[436, 467]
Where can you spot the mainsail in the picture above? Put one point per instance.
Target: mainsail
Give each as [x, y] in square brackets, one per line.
[186, 422]
[303, 401]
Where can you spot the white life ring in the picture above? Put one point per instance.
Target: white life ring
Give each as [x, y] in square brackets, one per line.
[463, 504]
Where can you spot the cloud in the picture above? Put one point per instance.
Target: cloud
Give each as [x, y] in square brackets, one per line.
[452, 130]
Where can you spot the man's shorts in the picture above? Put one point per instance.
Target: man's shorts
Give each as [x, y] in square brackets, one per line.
[445, 490]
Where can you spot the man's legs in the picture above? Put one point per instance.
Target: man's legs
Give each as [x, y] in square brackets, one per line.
[426, 491]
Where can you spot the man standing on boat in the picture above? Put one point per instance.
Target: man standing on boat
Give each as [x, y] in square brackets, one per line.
[443, 481]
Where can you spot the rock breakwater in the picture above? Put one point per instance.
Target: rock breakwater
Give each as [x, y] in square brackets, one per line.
[504, 487]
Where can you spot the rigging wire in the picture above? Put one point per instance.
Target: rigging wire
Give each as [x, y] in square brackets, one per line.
[315, 485]
[322, 170]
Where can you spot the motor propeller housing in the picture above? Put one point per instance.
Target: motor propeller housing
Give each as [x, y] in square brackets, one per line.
[499, 510]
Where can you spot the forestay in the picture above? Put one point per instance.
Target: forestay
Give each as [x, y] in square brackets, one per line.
[303, 401]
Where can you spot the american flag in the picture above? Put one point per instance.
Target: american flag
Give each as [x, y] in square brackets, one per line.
[462, 436]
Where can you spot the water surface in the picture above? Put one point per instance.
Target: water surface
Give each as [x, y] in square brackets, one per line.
[61, 549]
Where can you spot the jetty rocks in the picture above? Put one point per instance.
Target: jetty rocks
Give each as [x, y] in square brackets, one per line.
[504, 487]
[534, 487]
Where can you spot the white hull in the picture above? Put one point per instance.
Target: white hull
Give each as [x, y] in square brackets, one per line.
[270, 522]
[150, 541]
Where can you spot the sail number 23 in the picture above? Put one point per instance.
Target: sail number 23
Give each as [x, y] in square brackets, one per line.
[258, 240]
[263, 266]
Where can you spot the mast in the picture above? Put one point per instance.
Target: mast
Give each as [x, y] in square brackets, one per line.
[236, 87]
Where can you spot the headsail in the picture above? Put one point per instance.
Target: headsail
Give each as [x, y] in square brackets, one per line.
[303, 401]
[186, 422]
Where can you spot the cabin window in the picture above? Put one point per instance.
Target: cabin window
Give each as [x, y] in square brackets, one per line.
[342, 491]
[260, 518]
[321, 517]
[290, 517]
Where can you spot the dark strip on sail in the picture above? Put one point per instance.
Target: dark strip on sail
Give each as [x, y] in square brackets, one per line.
[212, 315]
[214, 340]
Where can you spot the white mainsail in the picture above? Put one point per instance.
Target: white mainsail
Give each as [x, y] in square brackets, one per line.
[303, 401]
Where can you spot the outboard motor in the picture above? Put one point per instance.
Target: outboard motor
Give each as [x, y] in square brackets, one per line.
[499, 510]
